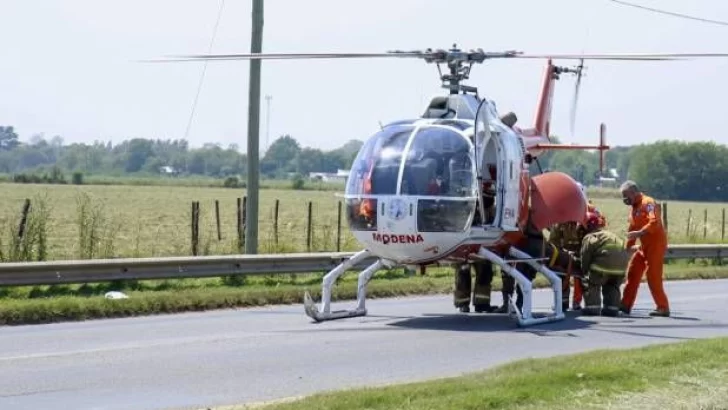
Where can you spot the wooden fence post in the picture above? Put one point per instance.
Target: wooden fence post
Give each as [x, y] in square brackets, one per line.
[217, 219]
[308, 230]
[690, 218]
[338, 230]
[705, 223]
[275, 222]
[195, 226]
[23, 223]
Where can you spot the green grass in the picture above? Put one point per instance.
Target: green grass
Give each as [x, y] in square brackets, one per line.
[46, 304]
[145, 221]
[687, 375]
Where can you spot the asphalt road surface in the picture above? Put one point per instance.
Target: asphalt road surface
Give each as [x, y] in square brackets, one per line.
[228, 357]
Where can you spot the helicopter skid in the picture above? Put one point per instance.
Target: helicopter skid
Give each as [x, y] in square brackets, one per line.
[525, 317]
[325, 313]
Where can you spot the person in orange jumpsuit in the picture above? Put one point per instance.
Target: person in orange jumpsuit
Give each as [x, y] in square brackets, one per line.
[645, 224]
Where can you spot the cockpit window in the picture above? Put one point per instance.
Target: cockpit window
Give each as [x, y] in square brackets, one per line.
[439, 163]
[375, 172]
[376, 167]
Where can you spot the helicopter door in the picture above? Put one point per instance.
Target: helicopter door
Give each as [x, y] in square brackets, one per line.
[510, 164]
[481, 137]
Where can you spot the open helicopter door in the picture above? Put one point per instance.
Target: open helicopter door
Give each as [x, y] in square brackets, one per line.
[481, 137]
[510, 168]
[502, 149]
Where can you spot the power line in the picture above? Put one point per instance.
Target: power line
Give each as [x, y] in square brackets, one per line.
[670, 13]
[204, 69]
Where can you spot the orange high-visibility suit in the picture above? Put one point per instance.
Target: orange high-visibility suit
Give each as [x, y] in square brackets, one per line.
[645, 217]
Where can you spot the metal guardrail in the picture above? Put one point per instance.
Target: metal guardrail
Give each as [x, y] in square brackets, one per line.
[103, 270]
[706, 251]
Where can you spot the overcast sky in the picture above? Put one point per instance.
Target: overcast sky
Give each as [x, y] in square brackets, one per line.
[67, 67]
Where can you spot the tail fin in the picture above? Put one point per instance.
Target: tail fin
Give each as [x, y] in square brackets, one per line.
[542, 122]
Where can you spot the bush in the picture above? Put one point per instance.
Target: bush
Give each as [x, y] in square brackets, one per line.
[297, 182]
[77, 178]
[231, 182]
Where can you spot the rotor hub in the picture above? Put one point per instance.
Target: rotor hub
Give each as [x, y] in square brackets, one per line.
[459, 63]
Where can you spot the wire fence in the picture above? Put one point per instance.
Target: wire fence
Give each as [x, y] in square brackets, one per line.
[214, 227]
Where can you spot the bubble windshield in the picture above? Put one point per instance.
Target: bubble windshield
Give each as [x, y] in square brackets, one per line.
[435, 161]
[438, 162]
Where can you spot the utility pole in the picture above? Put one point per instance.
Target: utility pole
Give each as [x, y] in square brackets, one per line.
[256, 45]
[267, 121]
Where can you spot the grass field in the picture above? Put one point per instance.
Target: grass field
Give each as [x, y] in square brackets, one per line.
[682, 375]
[140, 221]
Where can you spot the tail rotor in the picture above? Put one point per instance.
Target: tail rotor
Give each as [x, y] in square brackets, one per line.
[572, 117]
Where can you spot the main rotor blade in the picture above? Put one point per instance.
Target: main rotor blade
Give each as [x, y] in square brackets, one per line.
[286, 56]
[470, 55]
[629, 56]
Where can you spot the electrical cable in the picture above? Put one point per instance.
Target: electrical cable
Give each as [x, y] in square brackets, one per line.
[204, 69]
[670, 13]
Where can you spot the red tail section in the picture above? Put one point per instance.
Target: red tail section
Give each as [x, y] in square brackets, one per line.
[542, 122]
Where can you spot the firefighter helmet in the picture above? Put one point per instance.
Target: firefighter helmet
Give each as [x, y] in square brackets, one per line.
[594, 221]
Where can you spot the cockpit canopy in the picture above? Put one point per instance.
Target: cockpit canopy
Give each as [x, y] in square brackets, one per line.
[404, 159]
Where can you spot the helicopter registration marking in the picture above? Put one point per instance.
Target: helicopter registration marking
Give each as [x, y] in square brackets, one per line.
[386, 238]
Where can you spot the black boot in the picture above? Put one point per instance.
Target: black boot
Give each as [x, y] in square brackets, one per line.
[482, 307]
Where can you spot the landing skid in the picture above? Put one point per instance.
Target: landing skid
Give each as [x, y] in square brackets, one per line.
[524, 316]
[325, 313]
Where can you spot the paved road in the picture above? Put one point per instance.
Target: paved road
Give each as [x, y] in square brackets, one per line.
[226, 357]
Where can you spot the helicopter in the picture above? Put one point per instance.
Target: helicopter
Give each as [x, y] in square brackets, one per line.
[417, 189]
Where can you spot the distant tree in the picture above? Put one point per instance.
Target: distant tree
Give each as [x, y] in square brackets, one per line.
[8, 138]
[280, 156]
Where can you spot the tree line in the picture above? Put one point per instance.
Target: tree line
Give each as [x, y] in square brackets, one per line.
[139, 155]
[674, 170]
[677, 170]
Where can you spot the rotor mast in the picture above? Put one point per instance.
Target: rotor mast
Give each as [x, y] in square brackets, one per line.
[459, 64]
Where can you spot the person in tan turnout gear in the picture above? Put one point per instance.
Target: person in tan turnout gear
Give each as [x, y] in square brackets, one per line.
[481, 293]
[603, 261]
[483, 270]
[568, 236]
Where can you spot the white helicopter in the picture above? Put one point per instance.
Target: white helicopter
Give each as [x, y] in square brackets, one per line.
[418, 190]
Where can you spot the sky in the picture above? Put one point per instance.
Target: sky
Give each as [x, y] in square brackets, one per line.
[70, 67]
